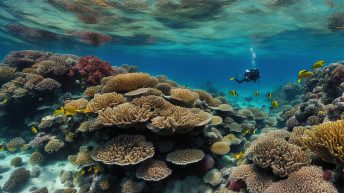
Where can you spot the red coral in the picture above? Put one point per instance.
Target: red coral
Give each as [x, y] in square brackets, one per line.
[236, 185]
[92, 69]
[327, 175]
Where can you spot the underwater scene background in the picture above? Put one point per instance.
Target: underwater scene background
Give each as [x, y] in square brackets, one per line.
[144, 96]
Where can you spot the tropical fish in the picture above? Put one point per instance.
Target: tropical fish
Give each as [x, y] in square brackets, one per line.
[246, 131]
[304, 74]
[4, 101]
[25, 147]
[319, 64]
[274, 104]
[256, 93]
[269, 95]
[2, 147]
[233, 93]
[239, 155]
[231, 78]
[86, 110]
[81, 172]
[71, 111]
[34, 130]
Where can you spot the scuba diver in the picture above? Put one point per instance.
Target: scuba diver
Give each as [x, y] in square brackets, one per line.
[250, 75]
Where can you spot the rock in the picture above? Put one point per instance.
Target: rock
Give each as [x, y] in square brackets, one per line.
[4, 169]
[35, 172]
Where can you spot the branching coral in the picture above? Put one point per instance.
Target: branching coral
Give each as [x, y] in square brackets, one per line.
[17, 180]
[91, 91]
[92, 69]
[327, 141]
[307, 179]
[153, 170]
[129, 82]
[108, 100]
[15, 143]
[125, 114]
[155, 102]
[279, 155]
[53, 145]
[185, 156]
[125, 150]
[256, 179]
[179, 120]
[184, 95]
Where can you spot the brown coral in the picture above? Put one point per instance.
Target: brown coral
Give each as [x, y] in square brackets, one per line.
[131, 186]
[155, 102]
[185, 156]
[53, 145]
[48, 68]
[92, 90]
[83, 158]
[6, 73]
[255, 179]
[102, 101]
[47, 84]
[17, 180]
[179, 120]
[73, 105]
[15, 143]
[125, 150]
[165, 88]
[36, 158]
[327, 141]
[129, 82]
[184, 95]
[279, 155]
[125, 114]
[307, 179]
[208, 98]
[153, 170]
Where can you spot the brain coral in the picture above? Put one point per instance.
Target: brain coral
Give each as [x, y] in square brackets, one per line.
[279, 155]
[153, 170]
[256, 179]
[185, 156]
[83, 158]
[326, 140]
[179, 120]
[125, 150]
[53, 145]
[129, 82]
[184, 95]
[307, 179]
[125, 114]
[17, 180]
[36, 158]
[101, 101]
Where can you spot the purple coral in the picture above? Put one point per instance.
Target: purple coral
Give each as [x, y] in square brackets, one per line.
[39, 140]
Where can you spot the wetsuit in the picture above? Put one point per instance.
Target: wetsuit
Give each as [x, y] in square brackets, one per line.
[250, 75]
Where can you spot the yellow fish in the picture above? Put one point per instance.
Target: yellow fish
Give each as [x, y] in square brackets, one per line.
[304, 74]
[86, 110]
[269, 95]
[25, 147]
[231, 78]
[239, 155]
[2, 147]
[4, 101]
[319, 64]
[11, 149]
[246, 131]
[256, 93]
[97, 169]
[254, 131]
[81, 173]
[63, 111]
[34, 130]
[233, 93]
[274, 104]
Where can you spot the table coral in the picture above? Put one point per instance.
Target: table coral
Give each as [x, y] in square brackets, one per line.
[108, 100]
[185, 156]
[184, 95]
[153, 170]
[326, 140]
[125, 150]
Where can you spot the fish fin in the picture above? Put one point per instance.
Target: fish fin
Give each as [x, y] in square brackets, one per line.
[299, 80]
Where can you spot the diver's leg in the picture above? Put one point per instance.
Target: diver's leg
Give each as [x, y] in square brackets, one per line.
[240, 81]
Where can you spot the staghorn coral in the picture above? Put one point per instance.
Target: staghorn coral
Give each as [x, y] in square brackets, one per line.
[36, 158]
[108, 100]
[307, 179]
[256, 179]
[17, 180]
[185, 156]
[125, 115]
[279, 155]
[125, 150]
[129, 82]
[16, 162]
[179, 120]
[184, 95]
[92, 69]
[326, 140]
[47, 85]
[15, 143]
[6, 73]
[54, 145]
[153, 170]
[131, 186]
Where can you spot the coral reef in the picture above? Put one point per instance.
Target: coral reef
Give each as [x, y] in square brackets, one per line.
[153, 170]
[17, 180]
[185, 156]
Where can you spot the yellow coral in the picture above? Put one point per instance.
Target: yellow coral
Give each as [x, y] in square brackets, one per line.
[185, 156]
[129, 82]
[184, 95]
[327, 141]
[220, 148]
